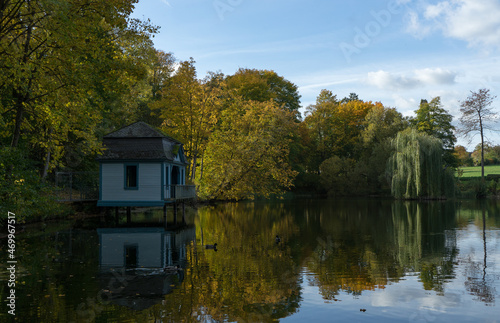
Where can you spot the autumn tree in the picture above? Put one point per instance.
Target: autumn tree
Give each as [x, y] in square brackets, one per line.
[463, 156]
[318, 121]
[477, 117]
[189, 110]
[65, 66]
[247, 155]
[336, 127]
[265, 85]
[489, 152]
[160, 69]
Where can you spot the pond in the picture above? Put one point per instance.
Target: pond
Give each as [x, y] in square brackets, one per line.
[323, 260]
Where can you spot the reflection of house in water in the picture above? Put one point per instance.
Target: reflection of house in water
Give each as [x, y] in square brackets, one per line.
[136, 263]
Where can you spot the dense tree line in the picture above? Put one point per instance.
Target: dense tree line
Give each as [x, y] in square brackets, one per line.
[72, 71]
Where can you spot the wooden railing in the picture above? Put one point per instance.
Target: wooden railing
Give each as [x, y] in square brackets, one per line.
[180, 192]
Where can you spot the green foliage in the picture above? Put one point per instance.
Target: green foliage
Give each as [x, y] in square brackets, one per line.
[247, 156]
[474, 188]
[435, 121]
[22, 191]
[264, 85]
[335, 128]
[190, 109]
[68, 71]
[343, 176]
[491, 155]
[416, 167]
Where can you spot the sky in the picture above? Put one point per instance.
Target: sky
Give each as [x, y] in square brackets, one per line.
[393, 51]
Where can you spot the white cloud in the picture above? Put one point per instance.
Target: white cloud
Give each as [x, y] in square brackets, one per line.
[435, 76]
[434, 11]
[386, 80]
[418, 78]
[476, 22]
[415, 27]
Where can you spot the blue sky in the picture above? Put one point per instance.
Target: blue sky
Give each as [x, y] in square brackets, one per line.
[393, 51]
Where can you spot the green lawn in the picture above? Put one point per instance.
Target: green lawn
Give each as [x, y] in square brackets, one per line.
[476, 170]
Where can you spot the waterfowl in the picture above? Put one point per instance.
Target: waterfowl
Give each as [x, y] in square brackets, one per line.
[211, 246]
[278, 239]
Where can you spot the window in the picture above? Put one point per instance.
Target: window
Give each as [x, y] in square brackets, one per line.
[131, 177]
[131, 256]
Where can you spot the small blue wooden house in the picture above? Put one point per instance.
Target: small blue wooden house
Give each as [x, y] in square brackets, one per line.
[141, 166]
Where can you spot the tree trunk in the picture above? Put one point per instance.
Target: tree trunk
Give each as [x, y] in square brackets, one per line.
[482, 148]
[193, 170]
[22, 98]
[46, 167]
[19, 120]
[201, 169]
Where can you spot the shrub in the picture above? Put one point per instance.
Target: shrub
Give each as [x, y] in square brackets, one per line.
[23, 192]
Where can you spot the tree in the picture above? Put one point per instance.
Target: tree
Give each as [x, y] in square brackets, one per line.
[67, 65]
[463, 156]
[477, 117]
[435, 121]
[265, 85]
[189, 110]
[352, 97]
[416, 167]
[381, 126]
[248, 154]
[489, 152]
[336, 127]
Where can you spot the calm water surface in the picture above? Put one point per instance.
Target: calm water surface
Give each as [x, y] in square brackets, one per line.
[335, 260]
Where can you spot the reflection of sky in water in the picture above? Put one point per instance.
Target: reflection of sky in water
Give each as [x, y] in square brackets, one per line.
[407, 301]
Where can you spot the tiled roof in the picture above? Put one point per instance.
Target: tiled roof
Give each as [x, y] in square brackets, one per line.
[139, 141]
[138, 130]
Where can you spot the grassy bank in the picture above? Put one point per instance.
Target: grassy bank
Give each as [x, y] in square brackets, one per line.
[475, 171]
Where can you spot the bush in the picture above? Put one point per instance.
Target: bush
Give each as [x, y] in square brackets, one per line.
[473, 188]
[23, 192]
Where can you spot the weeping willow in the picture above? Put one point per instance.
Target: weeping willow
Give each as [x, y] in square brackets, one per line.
[416, 167]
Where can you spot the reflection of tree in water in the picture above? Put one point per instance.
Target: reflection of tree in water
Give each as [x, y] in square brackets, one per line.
[249, 278]
[427, 244]
[477, 282]
[366, 250]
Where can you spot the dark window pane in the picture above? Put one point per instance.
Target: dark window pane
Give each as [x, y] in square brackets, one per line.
[131, 176]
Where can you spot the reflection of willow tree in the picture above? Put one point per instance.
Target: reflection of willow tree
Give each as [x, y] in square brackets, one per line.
[423, 242]
[363, 250]
[249, 278]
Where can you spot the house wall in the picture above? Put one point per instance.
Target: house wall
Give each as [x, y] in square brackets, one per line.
[150, 248]
[113, 182]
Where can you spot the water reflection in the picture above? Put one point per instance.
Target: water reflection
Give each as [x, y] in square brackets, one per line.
[138, 266]
[396, 260]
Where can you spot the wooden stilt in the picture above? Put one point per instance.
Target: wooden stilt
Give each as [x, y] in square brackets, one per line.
[183, 213]
[175, 212]
[129, 214]
[117, 219]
